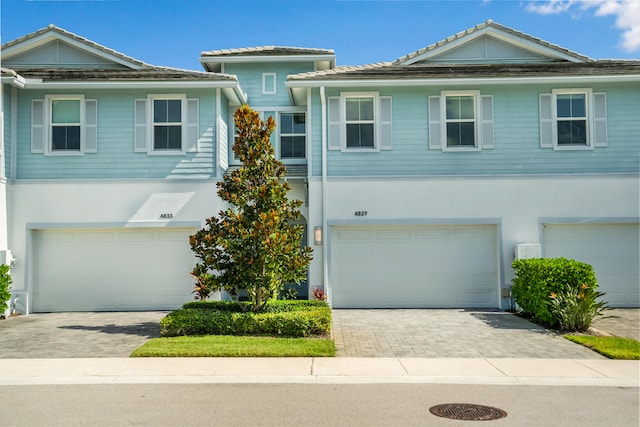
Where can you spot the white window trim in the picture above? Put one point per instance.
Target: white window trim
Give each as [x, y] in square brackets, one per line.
[343, 121]
[297, 160]
[588, 92]
[150, 124]
[477, 125]
[48, 111]
[266, 90]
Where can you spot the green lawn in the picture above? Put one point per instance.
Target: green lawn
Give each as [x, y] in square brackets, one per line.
[611, 347]
[235, 346]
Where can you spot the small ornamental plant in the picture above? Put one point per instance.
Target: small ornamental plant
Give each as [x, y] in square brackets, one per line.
[575, 309]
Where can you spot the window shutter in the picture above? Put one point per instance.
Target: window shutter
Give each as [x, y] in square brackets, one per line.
[435, 139]
[546, 120]
[37, 126]
[386, 138]
[487, 121]
[192, 125]
[333, 134]
[140, 144]
[223, 144]
[91, 125]
[600, 119]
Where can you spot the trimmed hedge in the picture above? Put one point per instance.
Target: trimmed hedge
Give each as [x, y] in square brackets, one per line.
[280, 318]
[5, 288]
[272, 306]
[537, 279]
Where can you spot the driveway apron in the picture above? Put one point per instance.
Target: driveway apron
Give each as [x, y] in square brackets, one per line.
[80, 334]
[447, 333]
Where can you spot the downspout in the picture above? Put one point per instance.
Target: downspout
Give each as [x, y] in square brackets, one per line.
[325, 230]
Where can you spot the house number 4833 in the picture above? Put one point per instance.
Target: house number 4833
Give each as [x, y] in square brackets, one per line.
[360, 213]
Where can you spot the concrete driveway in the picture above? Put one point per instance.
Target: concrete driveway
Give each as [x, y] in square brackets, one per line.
[63, 335]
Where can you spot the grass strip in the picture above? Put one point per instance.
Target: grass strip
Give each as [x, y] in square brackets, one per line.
[235, 346]
[611, 347]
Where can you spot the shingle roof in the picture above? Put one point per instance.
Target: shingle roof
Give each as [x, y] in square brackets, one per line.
[68, 34]
[267, 51]
[154, 73]
[388, 70]
[491, 24]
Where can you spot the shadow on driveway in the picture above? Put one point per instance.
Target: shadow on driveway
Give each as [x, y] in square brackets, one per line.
[79, 334]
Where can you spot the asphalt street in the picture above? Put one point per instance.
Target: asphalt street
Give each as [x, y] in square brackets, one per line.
[311, 405]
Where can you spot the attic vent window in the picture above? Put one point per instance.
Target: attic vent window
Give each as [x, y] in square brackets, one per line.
[269, 83]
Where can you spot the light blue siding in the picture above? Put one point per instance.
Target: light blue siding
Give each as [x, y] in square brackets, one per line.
[488, 50]
[59, 54]
[250, 78]
[115, 157]
[516, 131]
[6, 129]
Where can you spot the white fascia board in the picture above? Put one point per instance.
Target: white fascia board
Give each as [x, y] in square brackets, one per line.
[262, 58]
[49, 37]
[17, 81]
[465, 81]
[39, 84]
[235, 94]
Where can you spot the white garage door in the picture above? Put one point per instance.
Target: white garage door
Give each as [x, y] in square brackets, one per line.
[612, 249]
[414, 266]
[111, 269]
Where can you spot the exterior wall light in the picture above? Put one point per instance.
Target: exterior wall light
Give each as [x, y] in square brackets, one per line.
[317, 235]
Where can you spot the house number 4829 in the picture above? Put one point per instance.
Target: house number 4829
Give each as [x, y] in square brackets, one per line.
[360, 213]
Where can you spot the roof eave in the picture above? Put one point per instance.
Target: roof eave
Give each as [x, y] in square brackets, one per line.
[130, 84]
[462, 81]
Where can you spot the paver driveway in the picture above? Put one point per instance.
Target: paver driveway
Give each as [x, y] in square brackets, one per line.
[447, 333]
[62, 335]
[357, 333]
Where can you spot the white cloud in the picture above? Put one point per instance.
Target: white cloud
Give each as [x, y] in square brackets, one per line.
[627, 13]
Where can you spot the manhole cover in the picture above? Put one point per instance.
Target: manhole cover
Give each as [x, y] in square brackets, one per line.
[467, 411]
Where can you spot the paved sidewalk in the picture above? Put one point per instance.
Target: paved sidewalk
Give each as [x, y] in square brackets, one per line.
[447, 333]
[579, 372]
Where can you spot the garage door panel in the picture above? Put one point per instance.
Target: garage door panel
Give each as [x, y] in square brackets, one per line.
[88, 270]
[414, 266]
[612, 249]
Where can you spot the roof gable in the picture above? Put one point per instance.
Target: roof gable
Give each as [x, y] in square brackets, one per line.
[53, 47]
[490, 42]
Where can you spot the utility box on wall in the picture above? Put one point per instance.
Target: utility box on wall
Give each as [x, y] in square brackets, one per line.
[528, 251]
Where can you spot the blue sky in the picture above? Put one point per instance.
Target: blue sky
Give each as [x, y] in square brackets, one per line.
[173, 33]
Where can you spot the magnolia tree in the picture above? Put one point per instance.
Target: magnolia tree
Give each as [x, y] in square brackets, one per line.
[252, 246]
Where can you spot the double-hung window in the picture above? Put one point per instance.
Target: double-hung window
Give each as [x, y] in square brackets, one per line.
[166, 124]
[461, 121]
[64, 125]
[573, 119]
[359, 122]
[293, 135]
